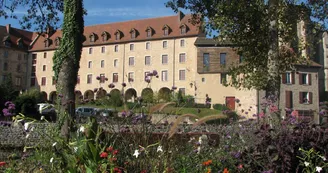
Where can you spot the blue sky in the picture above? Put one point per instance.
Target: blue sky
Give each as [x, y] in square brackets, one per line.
[107, 11]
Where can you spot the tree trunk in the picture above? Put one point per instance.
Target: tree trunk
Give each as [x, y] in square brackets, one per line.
[67, 62]
[273, 84]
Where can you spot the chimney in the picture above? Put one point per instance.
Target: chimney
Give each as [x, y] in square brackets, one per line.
[50, 31]
[8, 28]
[181, 15]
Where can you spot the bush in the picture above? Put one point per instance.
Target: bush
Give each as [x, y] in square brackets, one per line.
[26, 103]
[220, 107]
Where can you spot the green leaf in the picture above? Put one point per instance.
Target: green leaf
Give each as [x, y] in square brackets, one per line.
[88, 169]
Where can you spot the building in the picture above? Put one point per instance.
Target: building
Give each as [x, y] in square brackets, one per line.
[322, 58]
[158, 55]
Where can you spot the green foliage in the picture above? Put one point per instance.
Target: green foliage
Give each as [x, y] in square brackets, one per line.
[26, 102]
[116, 99]
[220, 107]
[7, 91]
[147, 95]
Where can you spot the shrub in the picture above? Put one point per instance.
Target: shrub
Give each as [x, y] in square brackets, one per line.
[26, 102]
[220, 107]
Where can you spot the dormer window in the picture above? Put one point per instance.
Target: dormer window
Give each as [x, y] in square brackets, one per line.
[20, 43]
[7, 41]
[166, 30]
[57, 41]
[46, 42]
[183, 29]
[118, 35]
[149, 32]
[92, 37]
[105, 36]
[133, 33]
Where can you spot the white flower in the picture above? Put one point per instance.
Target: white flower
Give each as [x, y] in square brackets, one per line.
[75, 149]
[319, 169]
[26, 126]
[32, 129]
[159, 149]
[54, 144]
[136, 153]
[42, 118]
[306, 164]
[52, 159]
[27, 136]
[82, 129]
[323, 158]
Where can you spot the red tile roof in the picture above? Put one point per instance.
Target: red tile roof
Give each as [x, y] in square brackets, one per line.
[140, 26]
[15, 35]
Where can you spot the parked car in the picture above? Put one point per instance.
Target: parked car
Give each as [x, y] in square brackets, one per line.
[105, 112]
[46, 109]
[84, 111]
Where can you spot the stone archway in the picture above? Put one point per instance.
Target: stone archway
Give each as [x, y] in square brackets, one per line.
[101, 94]
[44, 96]
[88, 94]
[130, 95]
[147, 95]
[115, 92]
[53, 97]
[164, 94]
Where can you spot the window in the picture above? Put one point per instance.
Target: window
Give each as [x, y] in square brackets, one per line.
[133, 35]
[166, 31]
[182, 57]
[115, 62]
[164, 59]
[33, 58]
[182, 74]
[116, 48]
[117, 36]
[146, 76]
[32, 81]
[43, 81]
[90, 50]
[289, 99]
[115, 77]
[131, 61]
[5, 66]
[78, 79]
[147, 45]
[104, 36]
[164, 44]
[46, 43]
[45, 55]
[164, 75]
[33, 71]
[223, 78]
[57, 41]
[102, 78]
[305, 79]
[90, 64]
[183, 91]
[305, 97]
[89, 78]
[149, 32]
[18, 81]
[5, 54]
[102, 63]
[147, 60]
[223, 58]
[18, 68]
[183, 30]
[131, 47]
[92, 38]
[44, 68]
[206, 61]
[130, 77]
[103, 49]
[288, 78]
[182, 43]
[54, 80]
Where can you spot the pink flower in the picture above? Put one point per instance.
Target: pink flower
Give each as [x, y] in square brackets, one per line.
[294, 113]
[261, 115]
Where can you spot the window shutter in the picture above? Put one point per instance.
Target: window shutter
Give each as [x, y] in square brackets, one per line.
[301, 97]
[293, 77]
[300, 78]
[288, 99]
[284, 76]
[310, 79]
[310, 97]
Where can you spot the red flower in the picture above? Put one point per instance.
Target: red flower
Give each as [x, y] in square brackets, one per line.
[2, 164]
[103, 155]
[116, 169]
[143, 171]
[109, 149]
[113, 159]
[115, 152]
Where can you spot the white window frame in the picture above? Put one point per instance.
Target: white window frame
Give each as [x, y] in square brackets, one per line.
[167, 75]
[185, 58]
[116, 48]
[133, 79]
[149, 60]
[162, 59]
[131, 57]
[149, 45]
[184, 43]
[165, 41]
[185, 74]
[288, 77]
[89, 64]
[45, 83]
[87, 78]
[103, 49]
[306, 80]
[131, 47]
[90, 50]
[115, 64]
[102, 63]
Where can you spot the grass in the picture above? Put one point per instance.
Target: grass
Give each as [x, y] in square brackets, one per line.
[200, 112]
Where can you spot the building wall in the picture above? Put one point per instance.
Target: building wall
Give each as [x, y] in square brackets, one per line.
[123, 68]
[17, 66]
[296, 88]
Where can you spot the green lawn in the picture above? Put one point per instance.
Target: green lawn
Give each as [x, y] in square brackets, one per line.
[169, 110]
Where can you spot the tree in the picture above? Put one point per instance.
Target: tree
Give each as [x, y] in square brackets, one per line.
[264, 32]
[43, 14]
